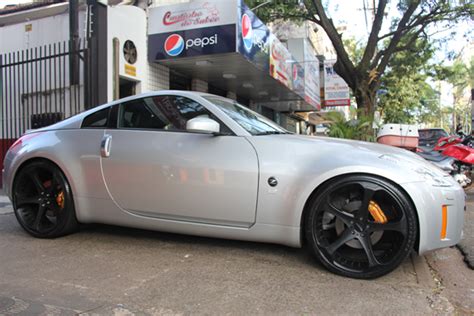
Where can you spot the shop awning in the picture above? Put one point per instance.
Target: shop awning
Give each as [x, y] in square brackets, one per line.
[233, 72]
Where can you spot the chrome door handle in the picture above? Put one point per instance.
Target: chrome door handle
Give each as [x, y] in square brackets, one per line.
[105, 146]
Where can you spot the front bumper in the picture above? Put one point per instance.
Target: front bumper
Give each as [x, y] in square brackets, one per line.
[429, 201]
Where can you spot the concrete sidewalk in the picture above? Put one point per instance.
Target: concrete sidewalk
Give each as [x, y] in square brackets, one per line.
[467, 243]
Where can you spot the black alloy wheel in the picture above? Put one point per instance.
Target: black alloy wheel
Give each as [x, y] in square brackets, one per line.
[361, 226]
[42, 200]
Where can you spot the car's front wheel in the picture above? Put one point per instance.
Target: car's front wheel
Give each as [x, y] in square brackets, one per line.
[42, 200]
[361, 226]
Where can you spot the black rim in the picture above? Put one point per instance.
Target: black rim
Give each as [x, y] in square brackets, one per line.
[39, 198]
[348, 235]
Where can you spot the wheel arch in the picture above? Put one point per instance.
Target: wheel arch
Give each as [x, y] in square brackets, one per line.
[323, 184]
[30, 160]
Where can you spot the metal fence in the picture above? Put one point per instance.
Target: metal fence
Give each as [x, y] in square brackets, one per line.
[40, 86]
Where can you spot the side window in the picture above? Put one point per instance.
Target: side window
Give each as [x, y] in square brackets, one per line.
[163, 112]
[141, 113]
[97, 119]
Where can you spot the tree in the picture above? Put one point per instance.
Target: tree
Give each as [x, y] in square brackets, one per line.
[364, 76]
[408, 98]
[461, 77]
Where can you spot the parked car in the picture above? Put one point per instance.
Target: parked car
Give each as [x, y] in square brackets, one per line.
[199, 164]
[428, 137]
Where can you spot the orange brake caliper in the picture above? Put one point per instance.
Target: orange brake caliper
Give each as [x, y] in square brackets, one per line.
[60, 199]
[377, 213]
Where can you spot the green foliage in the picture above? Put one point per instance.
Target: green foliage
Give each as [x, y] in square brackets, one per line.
[355, 49]
[408, 98]
[269, 11]
[458, 74]
[358, 129]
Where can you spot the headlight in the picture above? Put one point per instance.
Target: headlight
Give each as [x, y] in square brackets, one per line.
[432, 178]
[432, 174]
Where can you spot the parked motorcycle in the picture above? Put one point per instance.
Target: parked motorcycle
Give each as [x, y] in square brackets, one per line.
[453, 154]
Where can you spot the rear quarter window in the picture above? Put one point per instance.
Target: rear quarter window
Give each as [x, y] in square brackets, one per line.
[97, 119]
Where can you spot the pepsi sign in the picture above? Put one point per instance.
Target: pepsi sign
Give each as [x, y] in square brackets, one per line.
[189, 43]
[253, 38]
[174, 45]
[247, 34]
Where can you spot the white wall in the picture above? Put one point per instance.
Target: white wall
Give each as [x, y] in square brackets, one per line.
[127, 23]
[158, 78]
[44, 31]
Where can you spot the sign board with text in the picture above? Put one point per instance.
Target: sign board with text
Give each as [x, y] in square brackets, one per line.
[312, 87]
[336, 90]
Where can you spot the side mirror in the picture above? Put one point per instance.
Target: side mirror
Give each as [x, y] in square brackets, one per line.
[202, 124]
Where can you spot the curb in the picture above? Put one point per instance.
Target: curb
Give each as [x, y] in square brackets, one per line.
[422, 270]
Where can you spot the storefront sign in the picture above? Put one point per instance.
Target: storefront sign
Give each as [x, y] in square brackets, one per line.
[281, 63]
[191, 15]
[253, 38]
[311, 77]
[336, 91]
[189, 43]
[298, 79]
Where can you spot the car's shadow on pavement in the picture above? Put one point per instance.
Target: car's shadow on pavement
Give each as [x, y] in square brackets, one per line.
[107, 232]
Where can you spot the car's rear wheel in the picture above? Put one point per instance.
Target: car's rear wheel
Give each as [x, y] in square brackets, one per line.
[361, 226]
[42, 200]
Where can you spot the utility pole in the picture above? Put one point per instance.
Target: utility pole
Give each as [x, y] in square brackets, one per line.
[74, 42]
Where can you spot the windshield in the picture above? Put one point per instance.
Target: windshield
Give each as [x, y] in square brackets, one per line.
[252, 122]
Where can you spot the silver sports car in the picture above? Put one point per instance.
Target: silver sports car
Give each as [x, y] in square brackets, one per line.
[196, 163]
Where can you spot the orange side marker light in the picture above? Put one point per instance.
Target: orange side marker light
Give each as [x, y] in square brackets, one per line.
[444, 221]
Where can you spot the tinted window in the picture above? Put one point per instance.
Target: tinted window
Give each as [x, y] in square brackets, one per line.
[97, 119]
[162, 112]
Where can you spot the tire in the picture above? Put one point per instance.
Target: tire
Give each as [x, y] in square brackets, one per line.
[350, 240]
[43, 201]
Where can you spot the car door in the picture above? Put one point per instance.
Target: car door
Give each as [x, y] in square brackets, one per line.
[153, 167]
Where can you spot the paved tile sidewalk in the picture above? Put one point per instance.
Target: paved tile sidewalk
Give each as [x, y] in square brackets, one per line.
[467, 243]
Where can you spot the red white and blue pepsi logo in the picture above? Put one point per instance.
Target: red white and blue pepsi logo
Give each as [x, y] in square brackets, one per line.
[247, 31]
[174, 45]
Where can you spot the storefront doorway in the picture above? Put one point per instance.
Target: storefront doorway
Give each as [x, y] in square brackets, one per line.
[127, 88]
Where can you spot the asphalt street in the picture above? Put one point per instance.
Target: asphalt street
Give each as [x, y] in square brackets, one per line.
[121, 271]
